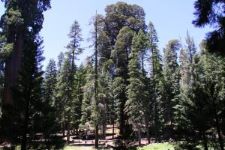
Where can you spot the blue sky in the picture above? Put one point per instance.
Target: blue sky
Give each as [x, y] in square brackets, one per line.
[172, 20]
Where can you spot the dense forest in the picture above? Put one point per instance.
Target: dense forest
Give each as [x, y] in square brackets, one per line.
[176, 94]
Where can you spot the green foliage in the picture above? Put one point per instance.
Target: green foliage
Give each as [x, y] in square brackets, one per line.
[65, 98]
[49, 99]
[78, 95]
[155, 114]
[212, 13]
[135, 106]
[171, 82]
[88, 90]
[74, 44]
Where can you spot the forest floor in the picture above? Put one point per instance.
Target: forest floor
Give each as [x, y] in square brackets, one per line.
[82, 144]
[108, 142]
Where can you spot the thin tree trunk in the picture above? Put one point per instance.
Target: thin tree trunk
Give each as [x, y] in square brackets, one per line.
[96, 81]
[96, 136]
[139, 136]
[68, 134]
[113, 131]
[148, 135]
[103, 130]
[63, 125]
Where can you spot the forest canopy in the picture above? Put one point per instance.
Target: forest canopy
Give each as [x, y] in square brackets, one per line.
[128, 89]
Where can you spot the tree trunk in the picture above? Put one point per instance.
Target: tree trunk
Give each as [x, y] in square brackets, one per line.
[148, 135]
[12, 67]
[103, 130]
[96, 136]
[63, 126]
[113, 130]
[139, 136]
[96, 80]
[68, 130]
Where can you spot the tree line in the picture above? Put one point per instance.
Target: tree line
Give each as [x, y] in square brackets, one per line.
[126, 82]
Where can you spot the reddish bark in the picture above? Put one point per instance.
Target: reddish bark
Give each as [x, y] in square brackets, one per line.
[13, 65]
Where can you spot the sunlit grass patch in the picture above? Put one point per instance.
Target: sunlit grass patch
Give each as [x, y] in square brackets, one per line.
[158, 146]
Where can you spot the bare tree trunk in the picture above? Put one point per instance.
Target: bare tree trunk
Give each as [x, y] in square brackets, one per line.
[96, 136]
[139, 136]
[103, 130]
[96, 80]
[63, 126]
[113, 129]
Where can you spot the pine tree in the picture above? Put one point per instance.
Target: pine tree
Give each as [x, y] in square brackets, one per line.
[65, 97]
[88, 87]
[74, 44]
[60, 61]
[135, 106]
[206, 94]
[28, 92]
[171, 83]
[49, 107]
[156, 78]
[186, 68]
[78, 96]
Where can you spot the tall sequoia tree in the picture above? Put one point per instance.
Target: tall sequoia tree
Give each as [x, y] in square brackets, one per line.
[120, 56]
[27, 93]
[19, 18]
[121, 21]
[20, 25]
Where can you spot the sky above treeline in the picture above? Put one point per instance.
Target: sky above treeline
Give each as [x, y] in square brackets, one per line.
[171, 18]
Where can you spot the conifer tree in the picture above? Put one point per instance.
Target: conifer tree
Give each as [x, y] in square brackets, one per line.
[171, 83]
[186, 58]
[64, 96]
[21, 23]
[78, 96]
[135, 106]
[28, 92]
[120, 57]
[74, 44]
[156, 78]
[88, 87]
[19, 17]
[49, 107]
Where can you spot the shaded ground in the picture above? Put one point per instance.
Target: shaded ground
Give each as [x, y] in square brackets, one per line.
[77, 143]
